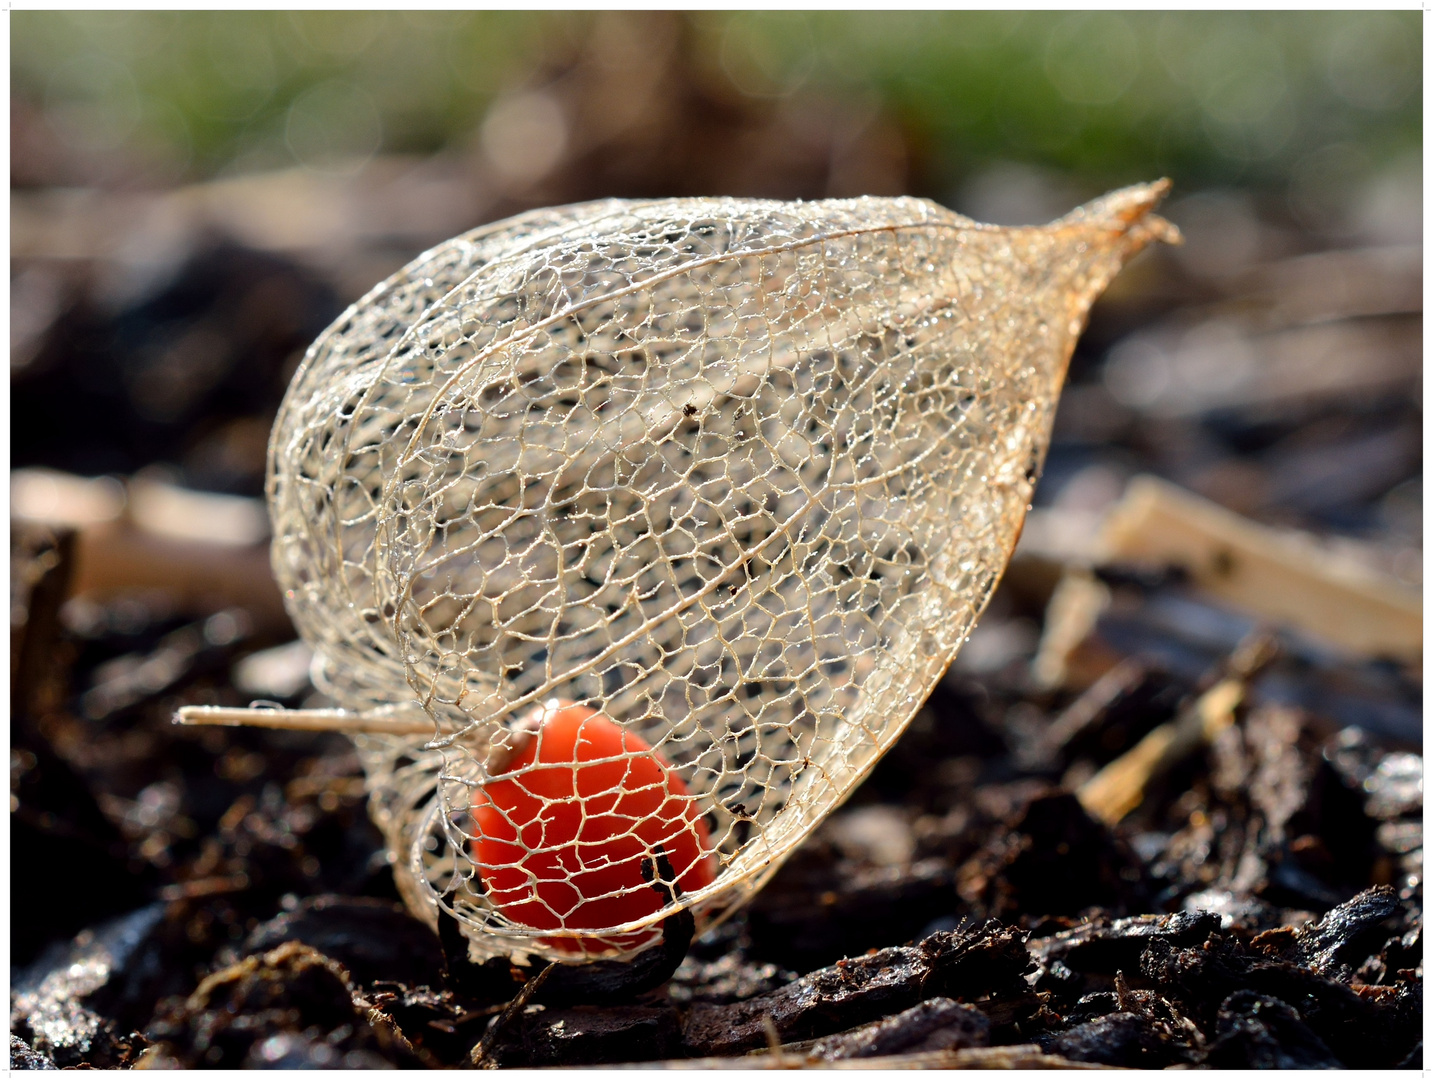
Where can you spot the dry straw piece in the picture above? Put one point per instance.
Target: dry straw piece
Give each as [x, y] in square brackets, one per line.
[738, 476]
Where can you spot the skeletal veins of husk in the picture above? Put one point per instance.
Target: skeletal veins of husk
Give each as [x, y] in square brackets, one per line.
[739, 475]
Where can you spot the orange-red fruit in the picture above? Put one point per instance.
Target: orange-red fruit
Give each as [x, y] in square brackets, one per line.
[561, 847]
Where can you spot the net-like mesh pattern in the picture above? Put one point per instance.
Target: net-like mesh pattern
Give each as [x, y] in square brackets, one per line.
[736, 476]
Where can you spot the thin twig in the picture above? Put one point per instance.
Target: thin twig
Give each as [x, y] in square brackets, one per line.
[1117, 789]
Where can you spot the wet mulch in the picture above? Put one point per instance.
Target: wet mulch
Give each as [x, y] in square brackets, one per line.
[230, 905]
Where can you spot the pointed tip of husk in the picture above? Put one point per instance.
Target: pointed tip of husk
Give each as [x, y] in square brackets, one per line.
[1129, 211]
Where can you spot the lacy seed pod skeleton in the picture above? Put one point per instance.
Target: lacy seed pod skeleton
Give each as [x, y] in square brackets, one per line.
[732, 478]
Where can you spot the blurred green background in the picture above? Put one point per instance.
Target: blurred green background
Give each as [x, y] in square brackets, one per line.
[1302, 107]
[196, 195]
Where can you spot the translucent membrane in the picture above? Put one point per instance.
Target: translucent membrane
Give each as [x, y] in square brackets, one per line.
[736, 477]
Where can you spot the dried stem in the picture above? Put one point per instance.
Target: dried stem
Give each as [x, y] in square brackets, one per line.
[407, 722]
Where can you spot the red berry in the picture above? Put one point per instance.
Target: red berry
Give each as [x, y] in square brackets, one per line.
[562, 847]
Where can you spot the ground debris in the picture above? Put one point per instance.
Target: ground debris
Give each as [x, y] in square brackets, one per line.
[829, 1000]
[589, 1035]
[1400, 959]
[1055, 859]
[730, 977]
[436, 1025]
[69, 1004]
[1238, 912]
[1111, 715]
[23, 1057]
[1088, 957]
[1363, 1030]
[1396, 787]
[989, 959]
[373, 939]
[1339, 943]
[1023, 1056]
[291, 1007]
[1259, 1032]
[935, 1024]
[1117, 1039]
[862, 907]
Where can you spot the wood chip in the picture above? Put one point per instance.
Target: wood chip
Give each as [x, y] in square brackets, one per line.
[1282, 576]
[1118, 788]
